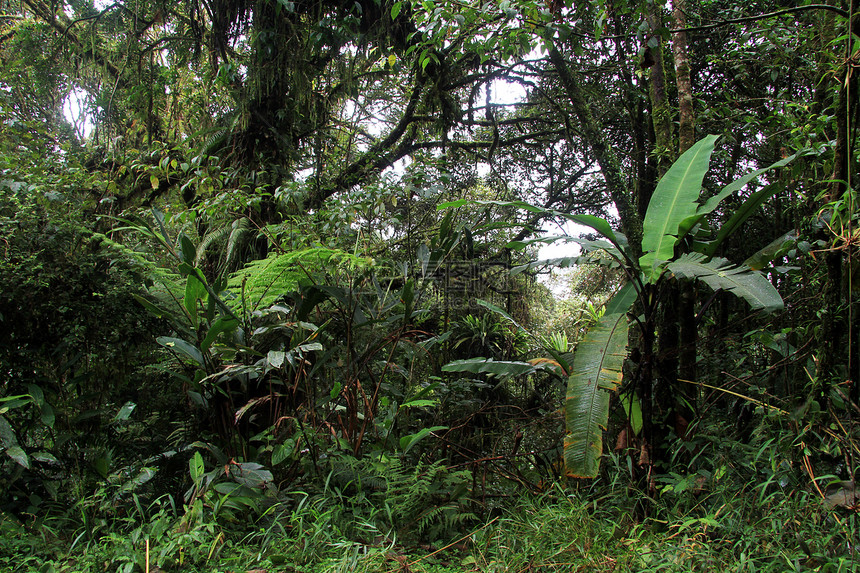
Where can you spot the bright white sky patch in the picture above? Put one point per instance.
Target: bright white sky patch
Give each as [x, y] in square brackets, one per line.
[76, 111]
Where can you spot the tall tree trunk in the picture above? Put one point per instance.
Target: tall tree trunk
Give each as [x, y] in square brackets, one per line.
[661, 112]
[610, 165]
[686, 117]
[666, 372]
[689, 334]
[834, 321]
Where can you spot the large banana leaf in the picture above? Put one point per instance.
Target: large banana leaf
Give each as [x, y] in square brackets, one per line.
[775, 249]
[740, 215]
[736, 185]
[674, 200]
[596, 372]
[500, 368]
[719, 273]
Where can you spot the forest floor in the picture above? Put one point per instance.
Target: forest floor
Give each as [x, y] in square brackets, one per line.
[550, 533]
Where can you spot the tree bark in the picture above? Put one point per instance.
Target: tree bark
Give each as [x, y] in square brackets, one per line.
[661, 113]
[689, 334]
[686, 117]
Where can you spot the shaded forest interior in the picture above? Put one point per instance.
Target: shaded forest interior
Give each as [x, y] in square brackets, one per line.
[429, 286]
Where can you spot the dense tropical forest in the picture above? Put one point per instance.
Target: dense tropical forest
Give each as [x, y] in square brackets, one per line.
[429, 286]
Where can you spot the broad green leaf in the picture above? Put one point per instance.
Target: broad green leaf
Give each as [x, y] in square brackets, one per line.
[143, 476]
[633, 410]
[736, 185]
[622, 301]
[125, 412]
[47, 415]
[673, 201]
[187, 249]
[7, 434]
[282, 451]
[740, 216]
[182, 347]
[250, 474]
[222, 324]
[597, 371]
[406, 442]
[602, 227]
[45, 458]
[194, 290]
[19, 456]
[719, 273]
[275, 358]
[36, 393]
[775, 249]
[500, 368]
[196, 467]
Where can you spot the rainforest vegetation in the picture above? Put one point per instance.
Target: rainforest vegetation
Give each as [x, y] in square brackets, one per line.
[429, 286]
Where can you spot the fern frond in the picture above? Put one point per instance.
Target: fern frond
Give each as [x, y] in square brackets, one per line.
[267, 279]
[241, 231]
[209, 239]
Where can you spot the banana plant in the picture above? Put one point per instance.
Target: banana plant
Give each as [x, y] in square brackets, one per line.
[674, 219]
[673, 213]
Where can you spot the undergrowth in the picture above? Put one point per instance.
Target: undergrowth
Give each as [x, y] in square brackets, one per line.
[375, 526]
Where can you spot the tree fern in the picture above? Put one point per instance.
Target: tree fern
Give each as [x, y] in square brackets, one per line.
[264, 280]
[425, 500]
[209, 240]
[241, 232]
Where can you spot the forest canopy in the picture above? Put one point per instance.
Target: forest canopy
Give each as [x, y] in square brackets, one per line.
[275, 270]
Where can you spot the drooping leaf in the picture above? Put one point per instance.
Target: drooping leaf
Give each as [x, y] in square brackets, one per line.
[47, 415]
[187, 249]
[719, 273]
[222, 324]
[740, 216]
[19, 456]
[601, 226]
[773, 250]
[560, 262]
[152, 309]
[497, 310]
[125, 412]
[406, 442]
[633, 410]
[182, 347]
[674, 200]
[37, 394]
[500, 368]
[194, 290]
[597, 371]
[618, 240]
[736, 185]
